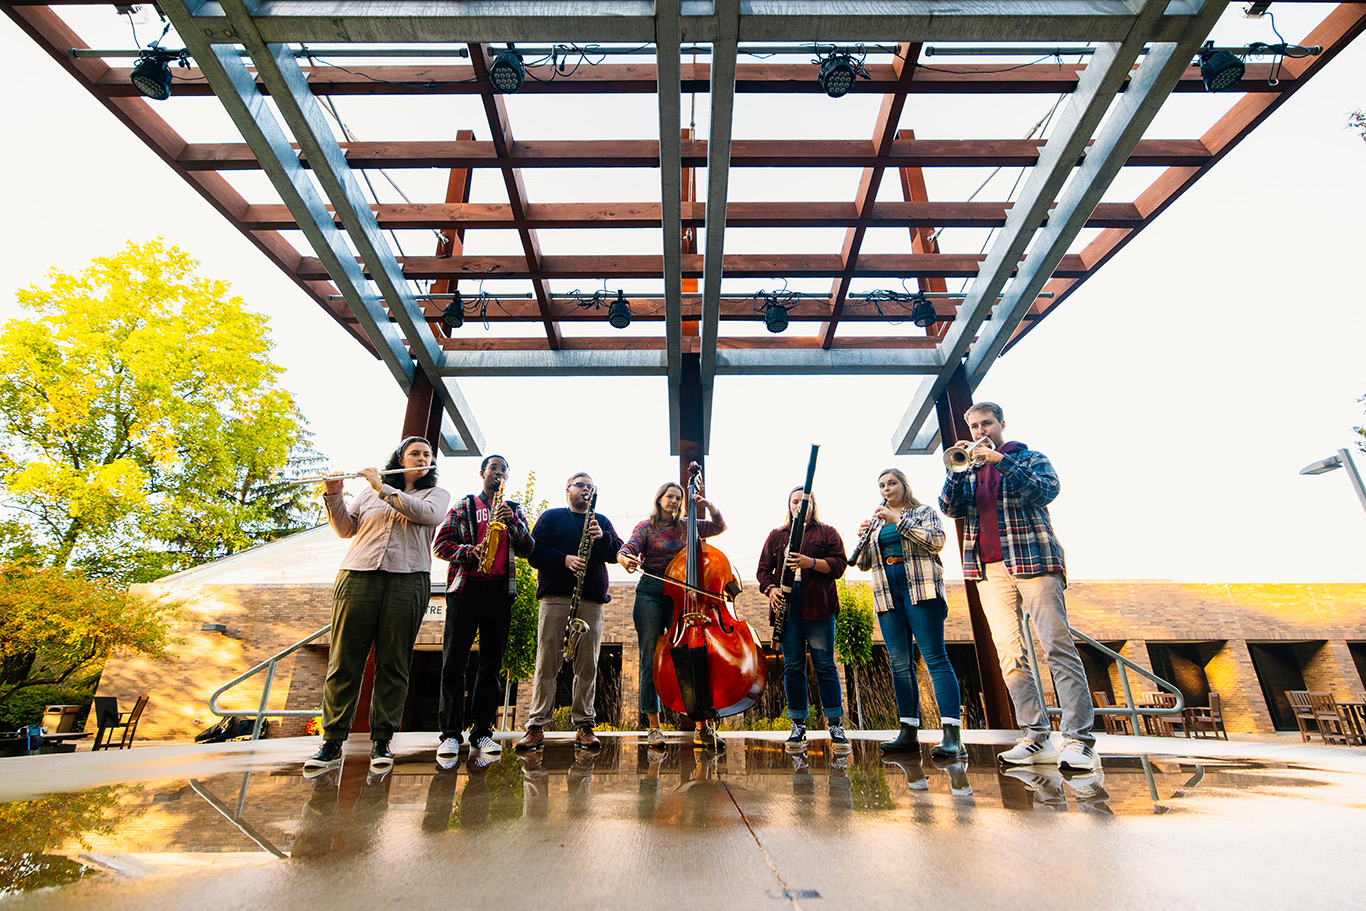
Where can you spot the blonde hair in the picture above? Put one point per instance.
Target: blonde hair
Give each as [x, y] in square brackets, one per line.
[813, 517]
[900, 475]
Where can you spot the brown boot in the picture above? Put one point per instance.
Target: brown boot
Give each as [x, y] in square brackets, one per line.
[533, 740]
[587, 739]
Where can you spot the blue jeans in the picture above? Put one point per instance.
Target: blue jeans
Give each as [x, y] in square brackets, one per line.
[799, 635]
[651, 614]
[923, 620]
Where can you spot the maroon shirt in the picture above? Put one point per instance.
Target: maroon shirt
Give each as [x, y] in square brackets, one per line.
[819, 597]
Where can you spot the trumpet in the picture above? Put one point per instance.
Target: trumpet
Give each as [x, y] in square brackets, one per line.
[494, 534]
[319, 478]
[959, 457]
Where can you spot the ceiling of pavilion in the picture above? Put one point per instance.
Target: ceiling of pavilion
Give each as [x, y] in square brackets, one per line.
[998, 153]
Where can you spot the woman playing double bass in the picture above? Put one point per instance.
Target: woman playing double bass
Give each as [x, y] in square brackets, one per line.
[654, 543]
[811, 616]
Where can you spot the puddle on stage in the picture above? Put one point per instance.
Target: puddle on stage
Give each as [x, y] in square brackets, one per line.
[754, 824]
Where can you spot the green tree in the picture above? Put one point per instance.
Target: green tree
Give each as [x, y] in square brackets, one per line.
[519, 661]
[141, 427]
[57, 627]
[1357, 121]
[854, 631]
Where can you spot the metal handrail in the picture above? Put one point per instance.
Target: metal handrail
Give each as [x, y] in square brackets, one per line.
[1129, 709]
[269, 667]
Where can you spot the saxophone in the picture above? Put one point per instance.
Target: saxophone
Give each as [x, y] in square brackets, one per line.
[494, 536]
[576, 628]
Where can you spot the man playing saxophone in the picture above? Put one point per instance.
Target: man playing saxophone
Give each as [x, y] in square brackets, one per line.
[481, 585]
[559, 536]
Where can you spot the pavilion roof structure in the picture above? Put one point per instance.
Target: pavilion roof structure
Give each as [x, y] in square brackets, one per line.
[362, 147]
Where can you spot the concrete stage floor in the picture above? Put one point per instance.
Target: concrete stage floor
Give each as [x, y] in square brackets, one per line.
[1171, 823]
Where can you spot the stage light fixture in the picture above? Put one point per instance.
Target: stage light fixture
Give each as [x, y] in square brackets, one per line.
[1220, 70]
[837, 73]
[152, 74]
[922, 311]
[619, 314]
[775, 316]
[507, 72]
[453, 317]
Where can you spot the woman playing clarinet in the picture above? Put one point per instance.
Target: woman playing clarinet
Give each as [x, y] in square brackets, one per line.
[908, 591]
[654, 543]
[380, 595]
[810, 620]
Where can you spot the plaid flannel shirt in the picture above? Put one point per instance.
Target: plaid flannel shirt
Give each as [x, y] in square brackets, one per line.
[1028, 485]
[457, 537]
[922, 538]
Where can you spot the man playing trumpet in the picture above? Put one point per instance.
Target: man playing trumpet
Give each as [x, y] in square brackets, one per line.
[1010, 550]
[481, 585]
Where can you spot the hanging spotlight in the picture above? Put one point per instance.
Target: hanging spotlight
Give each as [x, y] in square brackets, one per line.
[922, 311]
[838, 70]
[619, 314]
[152, 74]
[453, 317]
[506, 73]
[775, 316]
[1221, 70]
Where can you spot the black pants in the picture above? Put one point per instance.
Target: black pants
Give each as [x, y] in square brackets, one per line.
[483, 607]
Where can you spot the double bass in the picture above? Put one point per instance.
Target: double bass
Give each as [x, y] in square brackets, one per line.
[708, 664]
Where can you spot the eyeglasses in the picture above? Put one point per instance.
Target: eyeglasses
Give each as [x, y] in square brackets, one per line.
[582, 485]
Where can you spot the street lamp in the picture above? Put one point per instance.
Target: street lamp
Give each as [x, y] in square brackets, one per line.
[1342, 460]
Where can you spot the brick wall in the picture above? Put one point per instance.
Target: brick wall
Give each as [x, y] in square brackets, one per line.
[264, 618]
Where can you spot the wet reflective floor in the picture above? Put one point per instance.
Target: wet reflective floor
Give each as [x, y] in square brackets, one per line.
[756, 826]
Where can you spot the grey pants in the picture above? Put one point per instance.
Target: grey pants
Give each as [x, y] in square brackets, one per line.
[1004, 599]
[380, 608]
[554, 618]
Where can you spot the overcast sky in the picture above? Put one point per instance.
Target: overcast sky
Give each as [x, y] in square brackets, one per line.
[1178, 393]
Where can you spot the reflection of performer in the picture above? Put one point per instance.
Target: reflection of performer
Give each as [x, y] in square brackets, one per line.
[555, 554]
[380, 596]
[908, 589]
[811, 618]
[655, 542]
[477, 603]
[1010, 549]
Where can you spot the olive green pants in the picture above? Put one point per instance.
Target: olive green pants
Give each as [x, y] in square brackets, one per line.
[384, 610]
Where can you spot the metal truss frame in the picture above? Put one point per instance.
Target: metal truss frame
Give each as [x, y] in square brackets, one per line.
[245, 50]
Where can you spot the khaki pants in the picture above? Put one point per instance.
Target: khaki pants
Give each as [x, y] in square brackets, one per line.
[1005, 598]
[554, 619]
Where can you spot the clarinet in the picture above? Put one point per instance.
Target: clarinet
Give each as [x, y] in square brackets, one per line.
[867, 536]
[576, 628]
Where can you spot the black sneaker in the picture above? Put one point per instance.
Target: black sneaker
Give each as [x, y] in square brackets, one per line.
[380, 755]
[796, 740]
[837, 735]
[328, 757]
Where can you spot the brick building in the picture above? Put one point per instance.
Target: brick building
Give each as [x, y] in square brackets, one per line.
[1249, 642]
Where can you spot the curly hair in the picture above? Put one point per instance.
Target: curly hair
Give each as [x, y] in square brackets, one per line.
[428, 478]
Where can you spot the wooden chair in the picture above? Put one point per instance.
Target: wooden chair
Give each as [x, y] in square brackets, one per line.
[1162, 725]
[109, 719]
[1303, 710]
[1114, 724]
[1332, 727]
[1201, 720]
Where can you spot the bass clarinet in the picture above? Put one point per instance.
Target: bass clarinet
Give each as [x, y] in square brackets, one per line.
[576, 627]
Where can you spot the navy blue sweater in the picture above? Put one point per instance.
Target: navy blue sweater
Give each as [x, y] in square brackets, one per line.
[556, 536]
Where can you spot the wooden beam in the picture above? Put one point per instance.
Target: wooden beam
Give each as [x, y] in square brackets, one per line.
[644, 153]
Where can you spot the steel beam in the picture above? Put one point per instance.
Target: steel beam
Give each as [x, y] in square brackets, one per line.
[670, 97]
[554, 363]
[1086, 107]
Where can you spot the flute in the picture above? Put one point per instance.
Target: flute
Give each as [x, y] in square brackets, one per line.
[319, 478]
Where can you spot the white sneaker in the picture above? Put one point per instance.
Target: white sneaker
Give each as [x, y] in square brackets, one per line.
[1028, 751]
[449, 747]
[486, 745]
[1077, 755]
[655, 738]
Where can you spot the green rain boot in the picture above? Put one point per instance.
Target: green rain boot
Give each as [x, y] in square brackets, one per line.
[908, 741]
[952, 745]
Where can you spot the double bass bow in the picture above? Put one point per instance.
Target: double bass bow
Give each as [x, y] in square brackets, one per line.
[709, 663]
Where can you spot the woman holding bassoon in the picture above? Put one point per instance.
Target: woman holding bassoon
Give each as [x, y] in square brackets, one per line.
[901, 544]
[809, 621]
[653, 544]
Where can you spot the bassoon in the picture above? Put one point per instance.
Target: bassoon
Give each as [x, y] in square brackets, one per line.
[794, 546]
